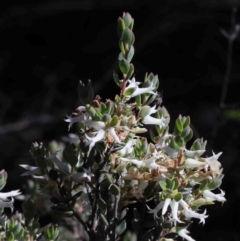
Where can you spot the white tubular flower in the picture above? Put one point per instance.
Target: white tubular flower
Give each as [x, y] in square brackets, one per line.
[210, 196]
[128, 148]
[5, 195]
[132, 84]
[149, 120]
[214, 164]
[74, 119]
[174, 207]
[191, 214]
[134, 161]
[82, 176]
[151, 163]
[112, 132]
[165, 206]
[183, 233]
[192, 163]
[140, 91]
[156, 209]
[100, 136]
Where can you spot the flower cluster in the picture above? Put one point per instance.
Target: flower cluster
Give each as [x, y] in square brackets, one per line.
[115, 163]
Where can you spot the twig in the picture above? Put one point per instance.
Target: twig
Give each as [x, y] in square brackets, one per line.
[234, 30]
[231, 37]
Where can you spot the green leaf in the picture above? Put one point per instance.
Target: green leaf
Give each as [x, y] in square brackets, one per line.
[127, 36]
[130, 72]
[19, 235]
[121, 227]
[175, 181]
[116, 79]
[102, 205]
[196, 145]
[186, 122]
[121, 26]
[178, 124]
[130, 54]
[110, 107]
[124, 66]
[16, 230]
[163, 185]
[104, 220]
[188, 137]
[144, 111]
[138, 100]
[114, 121]
[128, 20]
[147, 235]
[121, 56]
[9, 236]
[93, 112]
[34, 228]
[129, 92]
[179, 141]
[109, 178]
[178, 197]
[114, 189]
[133, 39]
[123, 214]
[3, 179]
[203, 184]
[198, 202]
[106, 117]
[130, 237]
[70, 154]
[121, 46]
[214, 184]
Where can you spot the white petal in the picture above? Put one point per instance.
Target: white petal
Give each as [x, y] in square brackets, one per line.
[183, 233]
[166, 204]
[113, 134]
[5, 195]
[156, 209]
[140, 91]
[134, 161]
[174, 207]
[149, 120]
[191, 214]
[192, 163]
[127, 149]
[100, 136]
[73, 120]
[210, 196]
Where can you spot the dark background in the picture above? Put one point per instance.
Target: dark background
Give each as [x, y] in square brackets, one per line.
[48, 46]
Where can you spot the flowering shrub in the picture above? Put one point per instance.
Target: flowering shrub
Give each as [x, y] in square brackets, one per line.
[112, 169]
